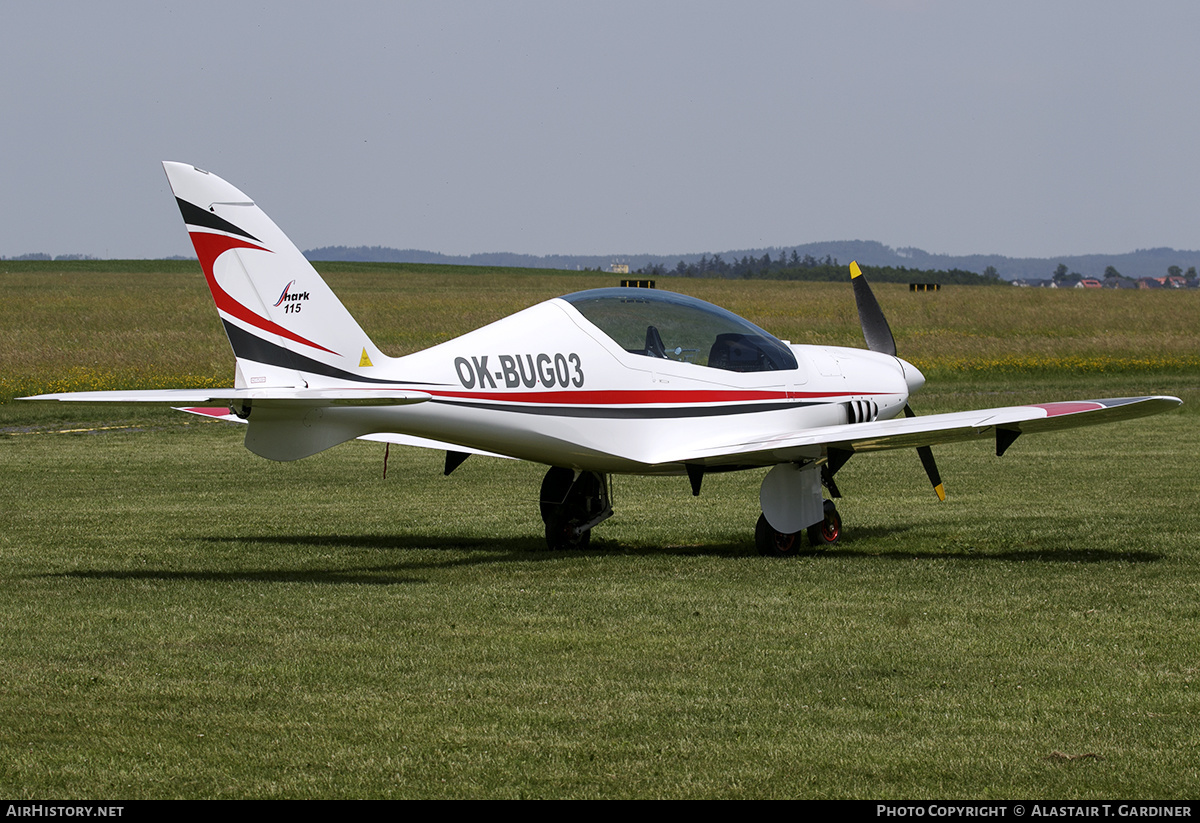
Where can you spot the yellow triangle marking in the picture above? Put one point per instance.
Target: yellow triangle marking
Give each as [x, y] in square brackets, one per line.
[364, 361]
[941, 492]
[855, 271]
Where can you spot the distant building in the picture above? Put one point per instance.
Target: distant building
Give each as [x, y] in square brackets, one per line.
[619, 268]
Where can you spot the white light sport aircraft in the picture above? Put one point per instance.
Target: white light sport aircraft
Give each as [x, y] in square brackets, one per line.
[608, 381]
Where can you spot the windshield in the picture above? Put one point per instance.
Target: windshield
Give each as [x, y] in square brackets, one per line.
[676, 327]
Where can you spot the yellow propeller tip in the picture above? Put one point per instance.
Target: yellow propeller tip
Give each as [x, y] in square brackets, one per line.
[941, 492]
[855, 271]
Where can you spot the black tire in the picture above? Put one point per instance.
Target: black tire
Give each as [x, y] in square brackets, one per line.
[555, 486]
[559, 537]
[566, 502]
[826, 533]
[771, 543]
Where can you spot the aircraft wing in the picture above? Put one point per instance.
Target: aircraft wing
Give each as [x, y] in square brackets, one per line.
[273, 396]
[1005, 424]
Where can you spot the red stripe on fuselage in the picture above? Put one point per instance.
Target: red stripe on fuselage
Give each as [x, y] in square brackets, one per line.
[211, 246]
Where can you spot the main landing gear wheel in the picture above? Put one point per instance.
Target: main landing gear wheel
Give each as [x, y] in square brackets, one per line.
[771, 543]
[571, 505]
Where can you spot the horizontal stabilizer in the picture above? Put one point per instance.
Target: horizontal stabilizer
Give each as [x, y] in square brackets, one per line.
[271, 396]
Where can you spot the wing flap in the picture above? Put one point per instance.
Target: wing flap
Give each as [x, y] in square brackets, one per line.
[426, 443]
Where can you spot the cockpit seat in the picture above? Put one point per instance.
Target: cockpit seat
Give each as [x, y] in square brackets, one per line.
[654, 343]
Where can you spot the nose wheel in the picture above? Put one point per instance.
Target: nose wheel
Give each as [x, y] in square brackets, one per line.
[827, 532]
[772, 543]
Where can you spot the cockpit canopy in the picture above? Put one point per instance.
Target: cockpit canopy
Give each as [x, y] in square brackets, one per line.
[677, 327]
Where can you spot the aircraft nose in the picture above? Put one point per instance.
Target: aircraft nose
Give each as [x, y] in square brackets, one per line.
[912, 376]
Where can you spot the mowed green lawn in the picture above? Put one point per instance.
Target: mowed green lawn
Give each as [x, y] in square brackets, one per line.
[179, 618]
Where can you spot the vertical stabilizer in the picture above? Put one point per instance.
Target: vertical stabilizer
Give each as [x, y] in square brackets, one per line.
[286, 326]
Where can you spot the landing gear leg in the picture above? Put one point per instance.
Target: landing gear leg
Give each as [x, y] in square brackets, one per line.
[571, 504]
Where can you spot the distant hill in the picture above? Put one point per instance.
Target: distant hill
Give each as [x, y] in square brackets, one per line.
[1140, 263]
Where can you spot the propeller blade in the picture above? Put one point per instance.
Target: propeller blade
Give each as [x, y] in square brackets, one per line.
[879, 338]
[926, 455]
[931, 469]
[874, 324]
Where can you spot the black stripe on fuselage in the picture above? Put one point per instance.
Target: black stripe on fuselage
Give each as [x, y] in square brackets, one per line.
[193, 215]
[629, 413]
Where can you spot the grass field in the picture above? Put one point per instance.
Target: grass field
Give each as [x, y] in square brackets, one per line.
[179, 618]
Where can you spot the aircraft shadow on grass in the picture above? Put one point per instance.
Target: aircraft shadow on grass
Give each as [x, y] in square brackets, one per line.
[470, 551]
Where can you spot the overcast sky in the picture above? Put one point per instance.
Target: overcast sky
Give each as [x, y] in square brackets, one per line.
[1034, 128]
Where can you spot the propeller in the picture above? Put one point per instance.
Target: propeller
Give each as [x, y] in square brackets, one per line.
[879, 339]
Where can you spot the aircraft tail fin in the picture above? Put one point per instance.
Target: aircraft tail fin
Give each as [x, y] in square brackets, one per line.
[286, 326]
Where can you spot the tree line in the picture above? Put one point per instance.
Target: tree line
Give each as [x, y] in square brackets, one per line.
[808, 267]
[44, 256]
